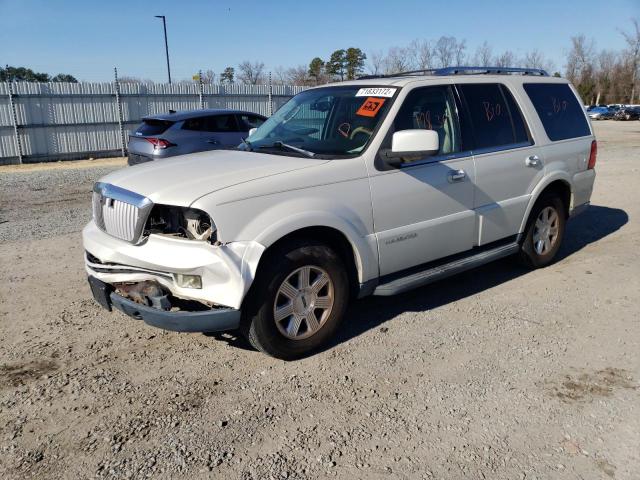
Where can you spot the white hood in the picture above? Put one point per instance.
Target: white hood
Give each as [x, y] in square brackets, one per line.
[182, 180]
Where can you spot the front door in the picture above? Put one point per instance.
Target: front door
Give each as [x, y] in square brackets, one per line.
[221, 131]
[424, 210]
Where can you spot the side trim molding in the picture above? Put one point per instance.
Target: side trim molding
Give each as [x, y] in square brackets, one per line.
[430, 275]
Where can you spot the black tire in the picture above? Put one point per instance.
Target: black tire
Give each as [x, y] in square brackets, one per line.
[528, 253]
[259, 324]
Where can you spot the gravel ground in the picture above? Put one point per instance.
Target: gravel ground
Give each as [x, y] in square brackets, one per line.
[45, 203]
[499, 373]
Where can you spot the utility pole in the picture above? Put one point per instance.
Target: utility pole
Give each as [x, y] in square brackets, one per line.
[166, 44]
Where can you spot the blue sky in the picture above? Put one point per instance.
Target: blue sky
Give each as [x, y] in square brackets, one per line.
[88, 38]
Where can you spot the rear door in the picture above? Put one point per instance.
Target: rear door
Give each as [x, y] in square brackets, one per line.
[508, 164]
[190, 137]
[221, 131]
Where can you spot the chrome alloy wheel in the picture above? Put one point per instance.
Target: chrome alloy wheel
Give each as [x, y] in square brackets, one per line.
[545, 233]
[303, 302]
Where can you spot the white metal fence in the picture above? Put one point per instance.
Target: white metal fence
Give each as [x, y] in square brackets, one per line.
[60, 121]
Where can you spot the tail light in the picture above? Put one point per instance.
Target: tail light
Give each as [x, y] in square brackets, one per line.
[593, 155]
[160, 143]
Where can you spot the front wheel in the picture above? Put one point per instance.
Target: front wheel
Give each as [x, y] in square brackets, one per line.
[297, 301]
[544, 233]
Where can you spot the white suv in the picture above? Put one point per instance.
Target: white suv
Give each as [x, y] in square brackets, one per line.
[374, 186]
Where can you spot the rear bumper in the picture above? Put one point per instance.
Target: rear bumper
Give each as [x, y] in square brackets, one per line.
[136, 159]
[214, 320]
[582, 188]
[579, 209]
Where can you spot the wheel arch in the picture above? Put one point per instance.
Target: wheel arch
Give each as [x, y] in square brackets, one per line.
[559, 183]
[333, 238]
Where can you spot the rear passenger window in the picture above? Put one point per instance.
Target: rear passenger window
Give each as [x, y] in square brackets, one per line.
[558, 108]
[193, 124]
[495, 116]
[220, 124]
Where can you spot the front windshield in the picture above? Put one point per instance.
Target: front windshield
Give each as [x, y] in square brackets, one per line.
[330, 121]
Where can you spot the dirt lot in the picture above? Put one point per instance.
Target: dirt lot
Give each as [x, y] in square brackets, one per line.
[498, 373]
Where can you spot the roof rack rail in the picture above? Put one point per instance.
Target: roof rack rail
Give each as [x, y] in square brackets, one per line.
[491, 70]
[464, 71]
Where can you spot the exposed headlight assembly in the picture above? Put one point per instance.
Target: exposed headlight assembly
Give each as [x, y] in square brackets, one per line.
[182, 222]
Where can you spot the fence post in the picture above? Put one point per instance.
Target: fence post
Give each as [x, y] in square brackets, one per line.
[14, 117]
[201, 90]
[270, 96]
[123, 146]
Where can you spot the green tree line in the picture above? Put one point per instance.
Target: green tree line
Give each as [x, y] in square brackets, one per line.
[23, 74]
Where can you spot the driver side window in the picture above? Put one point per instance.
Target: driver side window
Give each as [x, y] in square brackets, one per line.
[431, 108]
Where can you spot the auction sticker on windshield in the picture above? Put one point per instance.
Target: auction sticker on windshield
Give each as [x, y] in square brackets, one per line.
[370, 107]
[376, 92]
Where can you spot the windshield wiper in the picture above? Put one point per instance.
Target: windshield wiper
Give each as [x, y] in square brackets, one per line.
[286, 146]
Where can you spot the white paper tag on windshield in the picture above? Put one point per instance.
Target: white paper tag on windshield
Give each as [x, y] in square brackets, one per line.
[376, 92]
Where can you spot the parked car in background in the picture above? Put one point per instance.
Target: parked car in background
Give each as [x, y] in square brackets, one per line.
[374, 186]
[627, 113]
[178, 133]
[600, 113]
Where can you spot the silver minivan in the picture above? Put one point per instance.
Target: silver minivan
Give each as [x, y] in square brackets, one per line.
[179, 133]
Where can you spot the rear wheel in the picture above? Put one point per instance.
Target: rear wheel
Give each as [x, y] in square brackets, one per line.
[297, 301]
[545, 231]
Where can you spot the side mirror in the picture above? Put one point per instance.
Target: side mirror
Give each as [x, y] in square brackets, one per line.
[252, 131]
[412, 145]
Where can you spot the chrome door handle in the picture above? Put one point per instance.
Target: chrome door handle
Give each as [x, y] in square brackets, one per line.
[213, 142]
[457, 176]
[532, 161]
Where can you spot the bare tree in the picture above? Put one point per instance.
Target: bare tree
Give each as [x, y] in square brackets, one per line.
[376, 62]
[580, 66]
[459, 52]
[506, 59]
[130, 79]
[633, 52]
[484, 55]
[251, 73]
[298, 76]
[397, 60]
[580, 58]
[209, 77]
[606, 64]
[447, 50]
[280, 76]
[421, 54]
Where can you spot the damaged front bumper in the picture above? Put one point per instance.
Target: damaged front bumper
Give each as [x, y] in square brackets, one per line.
[214, 320]
[226, 273]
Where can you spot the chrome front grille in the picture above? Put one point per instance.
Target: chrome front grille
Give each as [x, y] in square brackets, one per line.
[119, 212]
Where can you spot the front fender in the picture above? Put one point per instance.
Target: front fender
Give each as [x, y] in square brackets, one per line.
[265, 220]
[364, 247]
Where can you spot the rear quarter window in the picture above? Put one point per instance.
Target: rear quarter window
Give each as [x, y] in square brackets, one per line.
[561, 114]
[153, 127]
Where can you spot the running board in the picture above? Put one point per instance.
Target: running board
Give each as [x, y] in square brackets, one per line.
[424, 277]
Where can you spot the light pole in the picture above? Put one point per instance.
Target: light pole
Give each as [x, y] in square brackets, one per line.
[166, 45]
